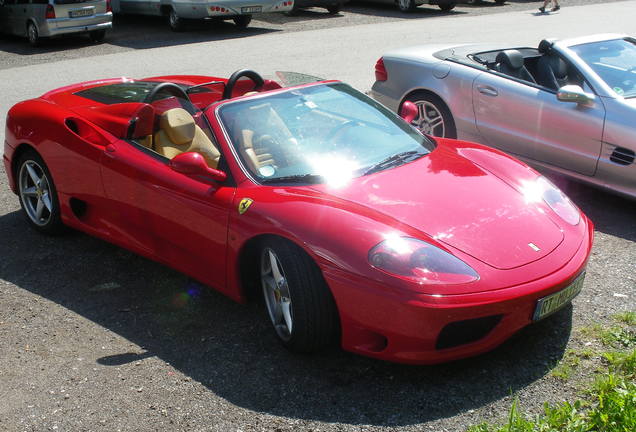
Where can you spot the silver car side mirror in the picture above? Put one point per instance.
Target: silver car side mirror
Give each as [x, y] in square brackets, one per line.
[574, 93]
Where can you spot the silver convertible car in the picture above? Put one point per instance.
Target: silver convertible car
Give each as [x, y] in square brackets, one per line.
[568, 106]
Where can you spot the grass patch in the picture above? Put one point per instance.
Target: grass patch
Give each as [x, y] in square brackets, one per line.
[628, 318]
[609, 402]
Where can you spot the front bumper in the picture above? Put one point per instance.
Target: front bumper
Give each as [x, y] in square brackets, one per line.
[61, 26]
[410, 327]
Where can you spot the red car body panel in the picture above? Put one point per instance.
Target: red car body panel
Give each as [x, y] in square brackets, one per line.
[471, 207]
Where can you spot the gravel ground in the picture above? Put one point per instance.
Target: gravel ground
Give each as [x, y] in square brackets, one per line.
[137, 32]
[94, 338]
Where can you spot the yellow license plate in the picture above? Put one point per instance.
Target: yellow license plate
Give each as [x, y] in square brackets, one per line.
[554, 302]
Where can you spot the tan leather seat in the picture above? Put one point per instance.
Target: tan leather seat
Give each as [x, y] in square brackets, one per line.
[179, 133]
[256, 157]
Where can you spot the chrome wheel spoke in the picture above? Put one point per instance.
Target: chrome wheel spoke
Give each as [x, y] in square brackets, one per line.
[436, 122]
[47, 201]
[273, 262]
[34, 176]
[30, 191]
[286, 310]
[39, 208]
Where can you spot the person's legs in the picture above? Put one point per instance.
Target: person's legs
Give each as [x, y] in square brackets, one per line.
[545, 4]
[556, 5]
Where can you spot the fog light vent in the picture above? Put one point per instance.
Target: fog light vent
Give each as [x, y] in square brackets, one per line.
[463, 332]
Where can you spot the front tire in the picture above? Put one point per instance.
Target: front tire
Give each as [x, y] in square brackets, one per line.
[334, 9]
[97, 36]
[37, 193]
[242, 21]
[406, 5]
[447, 6]
[32, 34]
[177, 24]
[434, 118]
[298, 301]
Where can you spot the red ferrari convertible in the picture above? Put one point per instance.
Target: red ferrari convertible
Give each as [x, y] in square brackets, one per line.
[354, 226]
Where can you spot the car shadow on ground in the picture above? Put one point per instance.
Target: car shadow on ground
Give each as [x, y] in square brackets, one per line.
[230, 348]
[138, 32]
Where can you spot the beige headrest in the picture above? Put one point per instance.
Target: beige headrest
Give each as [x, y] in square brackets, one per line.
[178, 125]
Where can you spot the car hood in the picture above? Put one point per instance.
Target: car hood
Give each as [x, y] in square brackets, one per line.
[460, 204]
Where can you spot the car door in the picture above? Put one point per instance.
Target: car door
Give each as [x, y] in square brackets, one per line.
[167, 215]
[528, 120]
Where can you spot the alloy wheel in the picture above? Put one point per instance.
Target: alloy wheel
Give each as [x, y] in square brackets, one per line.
[35, 191]
[429, 119]
[276, 294]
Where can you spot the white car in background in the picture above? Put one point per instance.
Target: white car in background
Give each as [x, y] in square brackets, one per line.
[179, 11]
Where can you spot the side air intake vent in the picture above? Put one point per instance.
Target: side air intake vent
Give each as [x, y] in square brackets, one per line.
[622, 156]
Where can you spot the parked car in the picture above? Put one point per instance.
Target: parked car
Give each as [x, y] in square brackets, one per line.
[37, 19]
[179, 12]
[332, 6]
[352, 225]
[567, 106]
[410, 5]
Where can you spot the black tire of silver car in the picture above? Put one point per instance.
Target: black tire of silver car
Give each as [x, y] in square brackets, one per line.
[177, 24]
[297, 299]
[32, 34]
[447, 6]
[434, 118]
[37, 194]
[406, 5]
[334, 9]
[242, 21]
[97, 36]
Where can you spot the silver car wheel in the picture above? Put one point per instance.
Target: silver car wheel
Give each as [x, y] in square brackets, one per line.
[429, 119]
[276, 294]
[32, 34]
[35, 192]
[406, 5]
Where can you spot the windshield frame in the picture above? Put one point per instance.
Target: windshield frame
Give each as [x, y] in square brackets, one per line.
[242, 164]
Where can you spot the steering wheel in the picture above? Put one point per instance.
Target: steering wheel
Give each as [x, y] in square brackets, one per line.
[255, 77]
[166, 87]
[340, 129]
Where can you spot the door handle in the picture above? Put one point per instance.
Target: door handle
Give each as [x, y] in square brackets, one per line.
[110, 150]
[487, 90]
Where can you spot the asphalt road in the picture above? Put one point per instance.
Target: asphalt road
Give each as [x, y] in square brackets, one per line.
[93, 337]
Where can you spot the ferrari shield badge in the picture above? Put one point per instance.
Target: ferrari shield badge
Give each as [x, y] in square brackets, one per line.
[244, 205]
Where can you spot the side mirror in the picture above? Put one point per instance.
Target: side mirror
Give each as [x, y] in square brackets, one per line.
[192, 164]
[409, 111]
[574, 93]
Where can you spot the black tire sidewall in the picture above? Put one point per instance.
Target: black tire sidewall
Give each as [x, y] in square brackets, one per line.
[315, 320]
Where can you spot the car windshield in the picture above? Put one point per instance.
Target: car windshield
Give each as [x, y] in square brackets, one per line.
[614, 61]
[326, 133]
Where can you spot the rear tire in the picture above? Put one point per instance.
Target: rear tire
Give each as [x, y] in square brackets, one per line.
[242, 21]
[97, 36]
[32, 34]
[334, 9]
[434, 118]
[37, 193]
[447, 6]
[177, 24]
[406, 5]
[298, 301]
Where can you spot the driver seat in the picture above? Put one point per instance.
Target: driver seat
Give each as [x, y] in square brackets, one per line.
[510, 62]
[179, 133]
[552, 71]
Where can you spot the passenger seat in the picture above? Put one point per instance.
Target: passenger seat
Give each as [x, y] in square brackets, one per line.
[179, 133]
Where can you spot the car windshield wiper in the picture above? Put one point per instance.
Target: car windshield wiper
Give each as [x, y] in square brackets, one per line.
[298, 178]
[394, 160]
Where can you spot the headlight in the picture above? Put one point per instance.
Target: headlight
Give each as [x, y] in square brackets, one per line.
[420, 262]
[542, 188]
